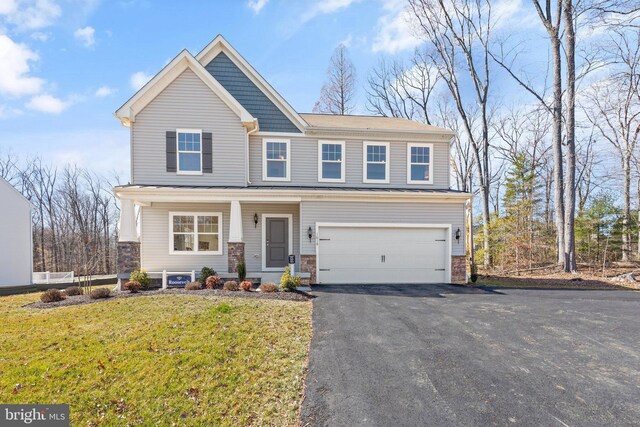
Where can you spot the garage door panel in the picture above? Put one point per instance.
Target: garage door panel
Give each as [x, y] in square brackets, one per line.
[382, 255]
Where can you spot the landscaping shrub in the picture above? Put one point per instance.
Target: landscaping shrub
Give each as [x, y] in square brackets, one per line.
[193, 286]
[205, 273]
[213, 282]
[268, 287]
[52, 295]
[141, 277]
[289, 283]
[246, 285]
[100, 293]
[474, 272]
[231, 285]
[132, 286]
[242, 271]
[73, 291]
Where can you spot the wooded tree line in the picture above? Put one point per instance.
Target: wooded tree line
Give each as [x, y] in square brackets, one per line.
[74, 215]
[552, 168]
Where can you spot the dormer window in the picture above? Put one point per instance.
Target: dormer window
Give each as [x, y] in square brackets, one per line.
[276, 161]
[189, 151]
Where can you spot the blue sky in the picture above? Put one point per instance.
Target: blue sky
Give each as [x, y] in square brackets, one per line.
[66, 65]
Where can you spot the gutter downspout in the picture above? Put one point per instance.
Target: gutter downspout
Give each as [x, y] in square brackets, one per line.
[246, 153]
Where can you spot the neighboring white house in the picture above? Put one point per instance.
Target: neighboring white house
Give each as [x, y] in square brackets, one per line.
[16, 255]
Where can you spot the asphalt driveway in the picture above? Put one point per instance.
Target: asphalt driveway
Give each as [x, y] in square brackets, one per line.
[438, 355]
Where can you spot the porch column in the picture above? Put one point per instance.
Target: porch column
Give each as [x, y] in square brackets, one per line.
[235, 245]
[128, 251]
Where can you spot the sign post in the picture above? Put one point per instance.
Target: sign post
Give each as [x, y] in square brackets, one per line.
[292, 264]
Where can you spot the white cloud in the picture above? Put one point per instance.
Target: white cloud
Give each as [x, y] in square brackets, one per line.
[47, 104]
[7, 7]
[139, 79]
[8, 112]
[323, 7]
[40, 36]
[104, 91]
[347, 41]
[394, 29]
[14, 69]
[257, 5]
[86, 36]
[30, 14]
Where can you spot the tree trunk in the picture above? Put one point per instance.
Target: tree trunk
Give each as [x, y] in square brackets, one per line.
[570, 179]
[626, 215]
[558, 175]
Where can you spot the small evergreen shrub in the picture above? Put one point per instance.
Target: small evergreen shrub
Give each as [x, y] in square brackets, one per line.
[205, 273]
[193, 286]
[231, 285]
[213, 282]
[474, 272]
[73, 291]
[289, 283]
[100, 293]
[246, 285]
[133, 286]
[268, 287]
[141, 277]
[242, 271]
[52, 295]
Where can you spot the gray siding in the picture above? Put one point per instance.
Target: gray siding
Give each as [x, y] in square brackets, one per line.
[304, 165]
[187, 103]
[154, 250]
[363, 212]
[154, 245]
[270, 118]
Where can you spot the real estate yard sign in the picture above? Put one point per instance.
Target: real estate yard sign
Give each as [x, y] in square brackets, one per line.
[178, 280]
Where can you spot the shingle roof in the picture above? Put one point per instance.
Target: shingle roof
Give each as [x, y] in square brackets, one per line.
[369, 123]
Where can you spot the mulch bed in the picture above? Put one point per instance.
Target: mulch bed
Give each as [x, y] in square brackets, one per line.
[85, 299]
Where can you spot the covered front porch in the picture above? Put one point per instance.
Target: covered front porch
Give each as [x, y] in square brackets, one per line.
[183, 231]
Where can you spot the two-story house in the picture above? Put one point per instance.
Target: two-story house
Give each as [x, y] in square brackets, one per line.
[224, 170]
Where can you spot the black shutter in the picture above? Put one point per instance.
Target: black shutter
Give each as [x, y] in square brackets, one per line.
[171, 152]
[207, 158]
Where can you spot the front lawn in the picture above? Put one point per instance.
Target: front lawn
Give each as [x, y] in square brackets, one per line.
[158, 360]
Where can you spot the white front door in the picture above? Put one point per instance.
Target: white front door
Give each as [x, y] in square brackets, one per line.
[383, 254]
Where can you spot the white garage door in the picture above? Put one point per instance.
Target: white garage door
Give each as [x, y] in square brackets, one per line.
[382, 255]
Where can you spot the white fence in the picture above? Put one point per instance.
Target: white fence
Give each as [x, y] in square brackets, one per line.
[47, 277]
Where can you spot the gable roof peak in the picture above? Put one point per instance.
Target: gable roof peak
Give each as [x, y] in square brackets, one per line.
[220, 45]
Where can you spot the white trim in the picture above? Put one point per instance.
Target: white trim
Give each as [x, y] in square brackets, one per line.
[127, 113]
[264, 159]
[209, 195]
[195, 233]
[366, 144]
[220, 44]
[178, 171]
[264, 238]
[409, 163]
[447, 227]
[343, 160]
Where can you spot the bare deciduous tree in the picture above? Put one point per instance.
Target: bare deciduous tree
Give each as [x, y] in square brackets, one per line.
[337, 94]
[613, 109]
[459, 33]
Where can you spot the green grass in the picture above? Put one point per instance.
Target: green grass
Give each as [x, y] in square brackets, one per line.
[161, 360]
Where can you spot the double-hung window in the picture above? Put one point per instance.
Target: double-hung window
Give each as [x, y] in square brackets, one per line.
[331, 160]
[375, 166]
[196, 233]
[419, 163]
[189, 151]
[276, 160]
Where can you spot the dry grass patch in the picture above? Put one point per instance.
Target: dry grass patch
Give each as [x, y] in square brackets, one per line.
[158, 360]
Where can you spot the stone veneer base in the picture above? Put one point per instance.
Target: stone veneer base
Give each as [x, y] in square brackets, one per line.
[458, 269]
[235, 255]
[308, 265]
